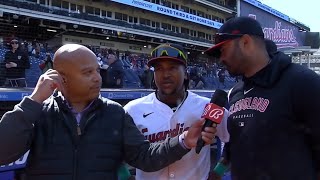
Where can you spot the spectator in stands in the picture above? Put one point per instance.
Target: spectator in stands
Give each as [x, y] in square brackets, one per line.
[46, 64]
[74, 133]
[16, 63]
[103, 70]
[36, 50]
[115, 71]
[146, 77]
[197, 81]
[222, 77]
[169, 111]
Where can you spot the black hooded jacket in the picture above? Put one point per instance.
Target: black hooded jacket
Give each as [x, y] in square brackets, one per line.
[274, 124]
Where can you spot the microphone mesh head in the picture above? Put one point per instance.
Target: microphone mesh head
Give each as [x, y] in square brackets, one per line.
[219, 97]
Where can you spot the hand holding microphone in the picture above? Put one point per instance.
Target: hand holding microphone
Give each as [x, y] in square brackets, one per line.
[213, 113]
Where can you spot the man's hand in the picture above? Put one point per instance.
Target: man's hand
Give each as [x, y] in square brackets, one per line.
[47, 83]
[13, 64]
[118, 81]
[8, 65]
[194, 132]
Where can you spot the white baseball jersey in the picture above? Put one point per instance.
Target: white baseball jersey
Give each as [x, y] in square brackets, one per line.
[157, 121]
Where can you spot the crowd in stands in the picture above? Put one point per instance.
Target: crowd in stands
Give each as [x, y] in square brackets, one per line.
[95, 18]
[119, 69]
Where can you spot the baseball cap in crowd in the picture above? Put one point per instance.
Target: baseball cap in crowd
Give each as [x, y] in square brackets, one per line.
[168, 51]
[232, 29]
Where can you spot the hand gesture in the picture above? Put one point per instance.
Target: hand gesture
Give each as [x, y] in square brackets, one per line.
[8, 65]
[13, 64]
[47, 83]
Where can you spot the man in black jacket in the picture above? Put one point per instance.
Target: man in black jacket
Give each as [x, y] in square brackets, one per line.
[75, 134]
[274, 124]
[115, 72]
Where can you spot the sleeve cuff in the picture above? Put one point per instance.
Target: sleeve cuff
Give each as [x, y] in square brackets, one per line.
[32, 108]
[181, 141]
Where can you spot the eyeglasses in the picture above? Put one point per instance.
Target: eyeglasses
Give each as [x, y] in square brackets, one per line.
[168, 51]
[220, 37]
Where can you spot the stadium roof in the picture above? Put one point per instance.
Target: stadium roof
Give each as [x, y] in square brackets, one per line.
[302, 49]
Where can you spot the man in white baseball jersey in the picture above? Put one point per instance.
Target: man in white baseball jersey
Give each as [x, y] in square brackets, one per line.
[169, 111]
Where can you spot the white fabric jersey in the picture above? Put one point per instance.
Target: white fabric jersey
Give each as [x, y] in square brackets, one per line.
[157, 121]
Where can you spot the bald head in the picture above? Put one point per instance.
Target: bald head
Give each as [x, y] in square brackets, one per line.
[79, 69]
[69, 55]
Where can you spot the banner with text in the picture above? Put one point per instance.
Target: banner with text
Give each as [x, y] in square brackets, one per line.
[283, 33]
[170, 12]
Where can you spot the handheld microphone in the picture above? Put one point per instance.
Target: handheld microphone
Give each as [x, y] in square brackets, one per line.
[213, 113]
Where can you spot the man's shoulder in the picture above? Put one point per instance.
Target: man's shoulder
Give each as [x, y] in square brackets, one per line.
[110, 102]
[301, 74]
[195, 97]
[140, 101]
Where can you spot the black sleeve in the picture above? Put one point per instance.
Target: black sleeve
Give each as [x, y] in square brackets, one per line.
[16, 130]
[119, 72]
[7, 57]
[306, 104]
[24, 63]
[226, 151]
[147, 156]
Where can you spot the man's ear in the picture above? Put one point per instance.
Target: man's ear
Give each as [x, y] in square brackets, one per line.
[246, 43]
[64, 79]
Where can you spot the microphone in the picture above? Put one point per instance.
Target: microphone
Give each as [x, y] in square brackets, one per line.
[213, 113]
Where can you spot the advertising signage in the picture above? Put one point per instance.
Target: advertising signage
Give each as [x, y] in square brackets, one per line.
[283, 33]
[170, 12]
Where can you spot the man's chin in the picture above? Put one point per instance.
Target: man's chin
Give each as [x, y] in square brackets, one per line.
[167, 92]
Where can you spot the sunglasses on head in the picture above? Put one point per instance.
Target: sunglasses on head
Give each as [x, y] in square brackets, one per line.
[220, 37]
[168, 51]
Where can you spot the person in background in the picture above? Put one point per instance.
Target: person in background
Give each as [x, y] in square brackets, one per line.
[16, 63]
[115, 71]
[146, 77]
[46, 64]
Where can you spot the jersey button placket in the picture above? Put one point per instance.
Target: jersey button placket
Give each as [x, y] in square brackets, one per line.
[171, 175]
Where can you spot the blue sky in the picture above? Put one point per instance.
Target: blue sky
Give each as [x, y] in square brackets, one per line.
[305, 11]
